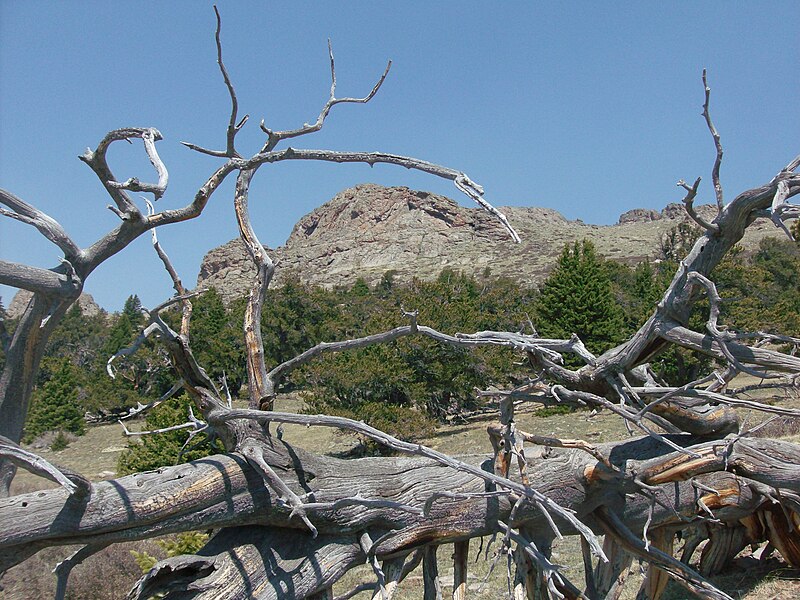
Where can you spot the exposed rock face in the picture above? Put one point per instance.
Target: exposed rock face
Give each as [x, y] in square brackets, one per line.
[369, 229]
[20, 302]
[639, 215]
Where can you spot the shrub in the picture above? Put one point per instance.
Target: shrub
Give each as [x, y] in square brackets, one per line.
[162, 449]
[61, 441]
[188, 542]
[399, 421]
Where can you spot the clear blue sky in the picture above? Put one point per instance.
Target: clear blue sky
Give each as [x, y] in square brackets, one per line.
[583, 107]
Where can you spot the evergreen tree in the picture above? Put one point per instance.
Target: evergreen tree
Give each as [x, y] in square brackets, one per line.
[55, 406]
[120, 335]
[133, 310]
[218, 339]
[578, 298]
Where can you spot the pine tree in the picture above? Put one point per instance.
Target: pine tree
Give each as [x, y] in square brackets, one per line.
[133, 310]
[55, 406]
[218, 340]
[578, 298]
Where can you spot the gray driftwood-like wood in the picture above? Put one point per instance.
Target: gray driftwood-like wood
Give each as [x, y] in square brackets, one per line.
[289, 524]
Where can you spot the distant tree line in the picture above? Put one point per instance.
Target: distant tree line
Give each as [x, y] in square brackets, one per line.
[406, 387]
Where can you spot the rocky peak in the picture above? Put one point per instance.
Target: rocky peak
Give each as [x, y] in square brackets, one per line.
[368, 229]
[639, 215]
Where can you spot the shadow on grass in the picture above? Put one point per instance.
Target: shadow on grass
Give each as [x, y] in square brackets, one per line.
[751, 579]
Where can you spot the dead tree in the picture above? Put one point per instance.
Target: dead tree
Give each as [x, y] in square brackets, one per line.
[290, 523]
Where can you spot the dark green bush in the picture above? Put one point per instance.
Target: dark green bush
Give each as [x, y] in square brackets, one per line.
[55, 404]
[161, 449]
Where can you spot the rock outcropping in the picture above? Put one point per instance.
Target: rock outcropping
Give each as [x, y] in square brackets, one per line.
[20, 302]
[368, 230]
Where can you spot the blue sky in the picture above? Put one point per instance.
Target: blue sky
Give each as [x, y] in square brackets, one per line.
[588, 108]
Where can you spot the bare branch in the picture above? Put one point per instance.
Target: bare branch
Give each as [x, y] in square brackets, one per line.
[481, 338]
[474, 191]
[63, 569]
[142, 408]
[261, 389]
[688, 201]
[202, 150]
[195, 424]
[75, 484]
[254, 454]
[683, 574]
[47, 226]
[430, 575]
[722, 337]
[553, 442]
[460, 566]
[140, 339]
[706, 395]
[717, 145]
[781, 209]
[361, 587]
[34, 279]
[177, 284]
[273, 137]
[149, 137]
[463, 182]
[233, 126]
[557, 583]
[706, 344]
[196, 206]
[97, 161]
[562, 393]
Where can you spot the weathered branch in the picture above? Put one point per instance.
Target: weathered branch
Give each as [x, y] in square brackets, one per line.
[63, 569]
[717, 145]
[690, 579]
[383, 509]
[263, 417]
[722, 337]
[781, 210]
[550, 347]
[43, 281]
[149, 137]
[276, 136]
[44, 223]
[461, 181]
[260, 387]
[707, 344]
[554, 442]
[195, 424]
[688, 202]
[177, 284]
[233, 126]
[143, 408]
[75, 484]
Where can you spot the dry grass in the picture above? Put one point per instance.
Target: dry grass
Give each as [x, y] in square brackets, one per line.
[95, 454]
